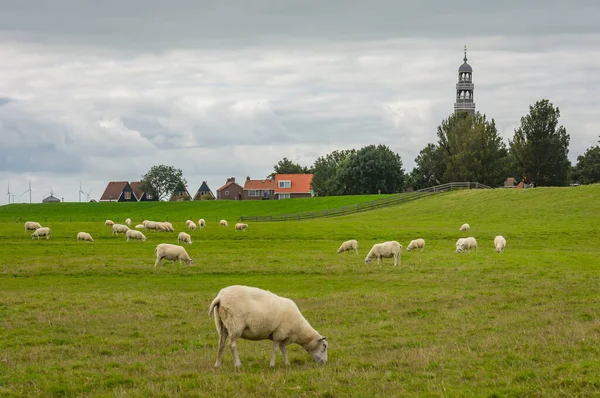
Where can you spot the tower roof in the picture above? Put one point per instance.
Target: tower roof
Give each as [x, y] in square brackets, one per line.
[465, 67]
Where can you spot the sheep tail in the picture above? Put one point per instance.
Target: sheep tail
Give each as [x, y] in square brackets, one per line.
[213, 306]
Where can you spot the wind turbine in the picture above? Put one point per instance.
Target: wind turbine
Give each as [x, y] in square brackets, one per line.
[88, 195]
[8, 192]
[29, 190]
[80, 191]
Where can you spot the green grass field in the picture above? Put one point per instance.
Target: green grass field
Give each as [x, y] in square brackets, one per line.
[98, 319]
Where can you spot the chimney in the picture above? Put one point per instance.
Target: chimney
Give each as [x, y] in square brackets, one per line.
[247, 178]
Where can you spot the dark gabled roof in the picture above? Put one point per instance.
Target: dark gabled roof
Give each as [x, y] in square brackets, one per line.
[113, 190]
[204, 187]
[50, 199]
[136, 187]
[174, 195]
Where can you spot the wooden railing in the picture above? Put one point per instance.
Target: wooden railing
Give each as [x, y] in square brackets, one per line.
[367, 206]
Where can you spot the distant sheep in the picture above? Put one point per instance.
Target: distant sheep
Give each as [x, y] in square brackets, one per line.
[192, 226]
[416, 244]
[466, 244]
[185, 238]
[85, 236]
[169, 226]
[187, 222]
[499, 243]
[44, 231]
[348, 246]
[133, 234]
[116, 228]
[109, 223]
[201, 223]
[161, 227]
[254, 314]
[140, 226]
[223, 223]
[128, 222]
[241, 226]
[385, 250]
[171, 252]
[32, 226]
[465, 228]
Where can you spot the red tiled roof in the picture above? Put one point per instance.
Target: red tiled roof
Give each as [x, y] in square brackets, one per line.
[230, 183]
[300, 183]
[136, 187]
[265, 184]
[113, 190]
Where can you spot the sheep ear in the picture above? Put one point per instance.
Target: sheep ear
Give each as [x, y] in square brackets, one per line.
[322, 338]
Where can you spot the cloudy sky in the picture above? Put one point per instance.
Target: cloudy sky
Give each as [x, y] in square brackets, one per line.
[102, 90]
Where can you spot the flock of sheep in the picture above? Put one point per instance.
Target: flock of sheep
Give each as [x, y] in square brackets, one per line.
[393, 249]
[255, 314]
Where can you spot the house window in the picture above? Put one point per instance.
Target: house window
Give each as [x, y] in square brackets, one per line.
[253, 192]
[149, 196]
[285, 184]
[226, 193]
[127, 195]
[284, 196]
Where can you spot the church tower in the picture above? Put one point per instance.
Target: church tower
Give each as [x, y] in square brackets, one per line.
[464, 88]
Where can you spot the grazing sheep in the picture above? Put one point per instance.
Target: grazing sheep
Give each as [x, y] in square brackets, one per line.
[161, 227]
[254, 314]
[149, 224]
[185, 238]
[385, 250]
[169, 226]
[128, 222]
[116, 228]
[348, 246]
[464, 228]
[499, 243]
[192, 226]
[223, 223]
[241, 227]
[32, 226]
[201, 223]
[466, 244]
[133, 234]
[187, 223]
[109, 223]
[44, 231]
[85, 236]
[416, 244]
[140, 226]
[171, 252]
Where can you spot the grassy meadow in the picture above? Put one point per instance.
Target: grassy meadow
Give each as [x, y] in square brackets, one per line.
[98, 319]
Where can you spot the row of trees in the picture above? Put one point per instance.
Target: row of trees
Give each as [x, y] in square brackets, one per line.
[468, 148]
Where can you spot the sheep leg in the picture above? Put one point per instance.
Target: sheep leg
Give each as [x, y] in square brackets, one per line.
[284, 354]
[234, 352]
[222, 339]
[158, 261]
[274, 353]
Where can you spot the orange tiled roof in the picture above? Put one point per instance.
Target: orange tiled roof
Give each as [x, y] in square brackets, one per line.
[265, 184]
[300, 183]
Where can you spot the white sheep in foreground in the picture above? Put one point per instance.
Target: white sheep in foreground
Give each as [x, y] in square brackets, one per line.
[192, 226]
[201, 223]
[171, 252]
[85, 236]
[348, 246]
[116, 228]
[254, 314]
[140, 226]
[128, 222]
[149, 224]
[466, 244]
[499, 243]
[385, 250]
[464, 228]
[32, 226]
[416, 244]
[44, 231]
[133, 234]
[241, 227]
[185, 238]
[223, 223]
[109, 223]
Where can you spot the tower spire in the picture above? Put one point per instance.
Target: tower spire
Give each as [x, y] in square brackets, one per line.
[465, 58]
[465, 88]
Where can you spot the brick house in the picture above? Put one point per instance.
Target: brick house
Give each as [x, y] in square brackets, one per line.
[259, 189]
[231, 190]
[289, 186]
[118, 191]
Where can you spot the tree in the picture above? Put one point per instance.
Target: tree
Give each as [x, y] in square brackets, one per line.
[587, 170]
[372, 169]
[162, 180]
[429, 167]
[286, 166]
[472, 150]
[326, 173]
[540, 147]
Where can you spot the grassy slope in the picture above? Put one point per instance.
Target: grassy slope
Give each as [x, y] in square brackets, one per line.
[98, 319]
[174, 211]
